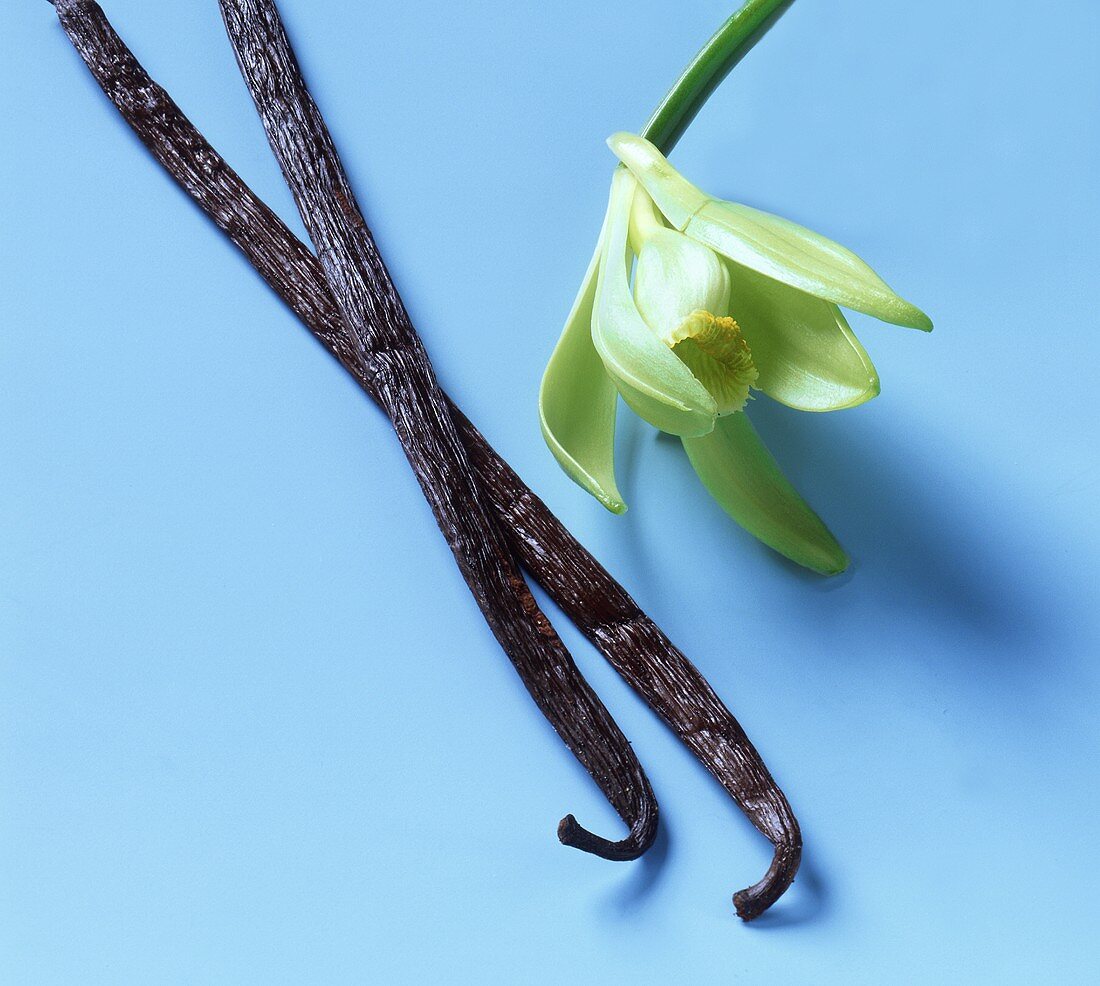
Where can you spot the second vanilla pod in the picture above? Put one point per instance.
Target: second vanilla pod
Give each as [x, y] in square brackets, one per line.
[586, 592]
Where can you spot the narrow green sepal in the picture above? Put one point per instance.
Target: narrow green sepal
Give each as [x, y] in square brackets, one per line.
[577, 401]
[802, 259]
[740, 473]
[772, 246]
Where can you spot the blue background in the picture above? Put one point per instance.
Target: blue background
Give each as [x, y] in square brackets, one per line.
[250, 720]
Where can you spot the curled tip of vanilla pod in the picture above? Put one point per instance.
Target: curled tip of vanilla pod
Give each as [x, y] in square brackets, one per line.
[641, 836]
[753, 901]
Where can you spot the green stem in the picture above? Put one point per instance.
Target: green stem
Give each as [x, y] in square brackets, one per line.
[732, 41]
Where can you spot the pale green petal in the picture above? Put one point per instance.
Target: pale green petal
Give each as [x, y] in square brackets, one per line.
[774, 247]
[675, 276]
[805, 354]
[742, 476]
[645, 220]
[577, 402]
[651, 379]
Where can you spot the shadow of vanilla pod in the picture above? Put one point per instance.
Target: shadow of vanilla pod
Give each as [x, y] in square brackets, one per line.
[725, 299]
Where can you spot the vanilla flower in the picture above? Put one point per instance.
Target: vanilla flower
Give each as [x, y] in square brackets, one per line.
[724, 298]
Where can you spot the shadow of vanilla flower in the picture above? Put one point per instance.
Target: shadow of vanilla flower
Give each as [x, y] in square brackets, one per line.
[724, 299]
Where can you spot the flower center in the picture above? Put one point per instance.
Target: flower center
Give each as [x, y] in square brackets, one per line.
[716, 352]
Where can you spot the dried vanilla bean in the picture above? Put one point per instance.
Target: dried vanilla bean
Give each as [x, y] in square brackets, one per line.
[600, 607]
[404, 386]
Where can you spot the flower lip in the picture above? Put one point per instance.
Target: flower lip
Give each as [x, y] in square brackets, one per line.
[716, 352]
[682, 289]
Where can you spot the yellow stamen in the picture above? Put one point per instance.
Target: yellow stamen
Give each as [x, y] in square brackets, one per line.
[716, 352]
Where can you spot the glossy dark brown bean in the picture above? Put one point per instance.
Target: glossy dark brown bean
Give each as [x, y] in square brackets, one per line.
[401, 379]
[600, 607]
